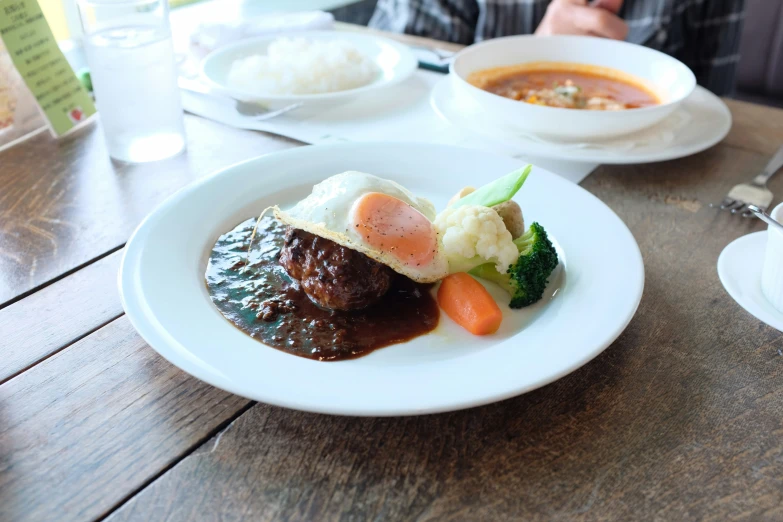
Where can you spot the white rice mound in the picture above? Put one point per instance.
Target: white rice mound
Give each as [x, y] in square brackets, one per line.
[301, 66]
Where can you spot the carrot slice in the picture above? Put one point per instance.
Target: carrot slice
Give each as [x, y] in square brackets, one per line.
[469, 304]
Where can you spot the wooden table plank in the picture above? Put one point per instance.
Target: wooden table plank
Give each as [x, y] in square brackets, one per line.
[64, 204]
[755, 127]
[679, 419]
[35, 327]
[408, 39]
[92, 424]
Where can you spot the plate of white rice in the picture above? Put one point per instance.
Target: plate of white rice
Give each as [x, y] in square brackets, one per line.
[307, 66]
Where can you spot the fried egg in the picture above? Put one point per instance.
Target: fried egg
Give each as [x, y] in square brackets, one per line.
[377, 217]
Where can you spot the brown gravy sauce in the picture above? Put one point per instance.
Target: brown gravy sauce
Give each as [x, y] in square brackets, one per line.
[257, 296]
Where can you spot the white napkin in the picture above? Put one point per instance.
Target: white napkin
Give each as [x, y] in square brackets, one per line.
[210, 36]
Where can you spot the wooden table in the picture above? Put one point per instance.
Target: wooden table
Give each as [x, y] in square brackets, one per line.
[680, 419]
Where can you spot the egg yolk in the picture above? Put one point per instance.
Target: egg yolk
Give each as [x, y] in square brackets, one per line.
[393, 226]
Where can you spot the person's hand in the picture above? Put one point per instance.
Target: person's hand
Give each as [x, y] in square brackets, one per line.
[598, 18]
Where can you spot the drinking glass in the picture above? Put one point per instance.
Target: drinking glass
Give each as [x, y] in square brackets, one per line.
[134, 77]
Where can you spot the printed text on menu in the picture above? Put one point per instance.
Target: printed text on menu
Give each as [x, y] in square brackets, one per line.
[42, 65]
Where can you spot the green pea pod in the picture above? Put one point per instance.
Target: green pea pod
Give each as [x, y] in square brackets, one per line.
[497, 192]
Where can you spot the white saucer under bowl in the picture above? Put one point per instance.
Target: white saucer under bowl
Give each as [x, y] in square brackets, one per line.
[739, 269]
[701, 121]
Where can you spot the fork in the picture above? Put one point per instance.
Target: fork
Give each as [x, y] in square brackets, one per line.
[753, 193]
[254, 111]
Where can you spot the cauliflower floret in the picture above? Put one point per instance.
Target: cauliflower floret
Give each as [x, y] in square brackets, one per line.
[473, 235]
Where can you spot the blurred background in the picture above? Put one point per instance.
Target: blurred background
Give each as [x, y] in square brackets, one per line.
[760, 76]
[760, 72]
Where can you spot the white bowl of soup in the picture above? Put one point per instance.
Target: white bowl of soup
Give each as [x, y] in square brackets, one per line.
[570, 87]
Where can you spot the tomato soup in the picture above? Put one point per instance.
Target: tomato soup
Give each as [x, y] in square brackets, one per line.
[571, 87]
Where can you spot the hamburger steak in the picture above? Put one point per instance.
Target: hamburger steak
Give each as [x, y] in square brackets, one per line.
[333, 276]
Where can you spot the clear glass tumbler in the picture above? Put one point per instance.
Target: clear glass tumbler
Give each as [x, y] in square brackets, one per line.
[134, 77]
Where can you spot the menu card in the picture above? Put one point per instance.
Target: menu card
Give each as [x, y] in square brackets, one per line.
[19, 114]
[43, 67]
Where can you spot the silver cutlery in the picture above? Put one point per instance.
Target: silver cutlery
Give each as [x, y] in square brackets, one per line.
[753, 193]
[765, 217]
[433, 58]
[253, 111]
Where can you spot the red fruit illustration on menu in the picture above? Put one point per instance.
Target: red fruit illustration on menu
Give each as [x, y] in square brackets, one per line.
[76, 114]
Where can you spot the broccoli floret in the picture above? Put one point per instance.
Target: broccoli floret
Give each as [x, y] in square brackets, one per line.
[527, 278]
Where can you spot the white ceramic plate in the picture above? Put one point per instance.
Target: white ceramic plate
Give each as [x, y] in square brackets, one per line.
[739, 269]
[395, 62]
[164, 294]
[707, 120]
[669, 78]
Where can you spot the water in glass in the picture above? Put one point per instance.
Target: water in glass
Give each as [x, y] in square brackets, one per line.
[134, 76]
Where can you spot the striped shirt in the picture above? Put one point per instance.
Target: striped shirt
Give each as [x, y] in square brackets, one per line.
[704, 34]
